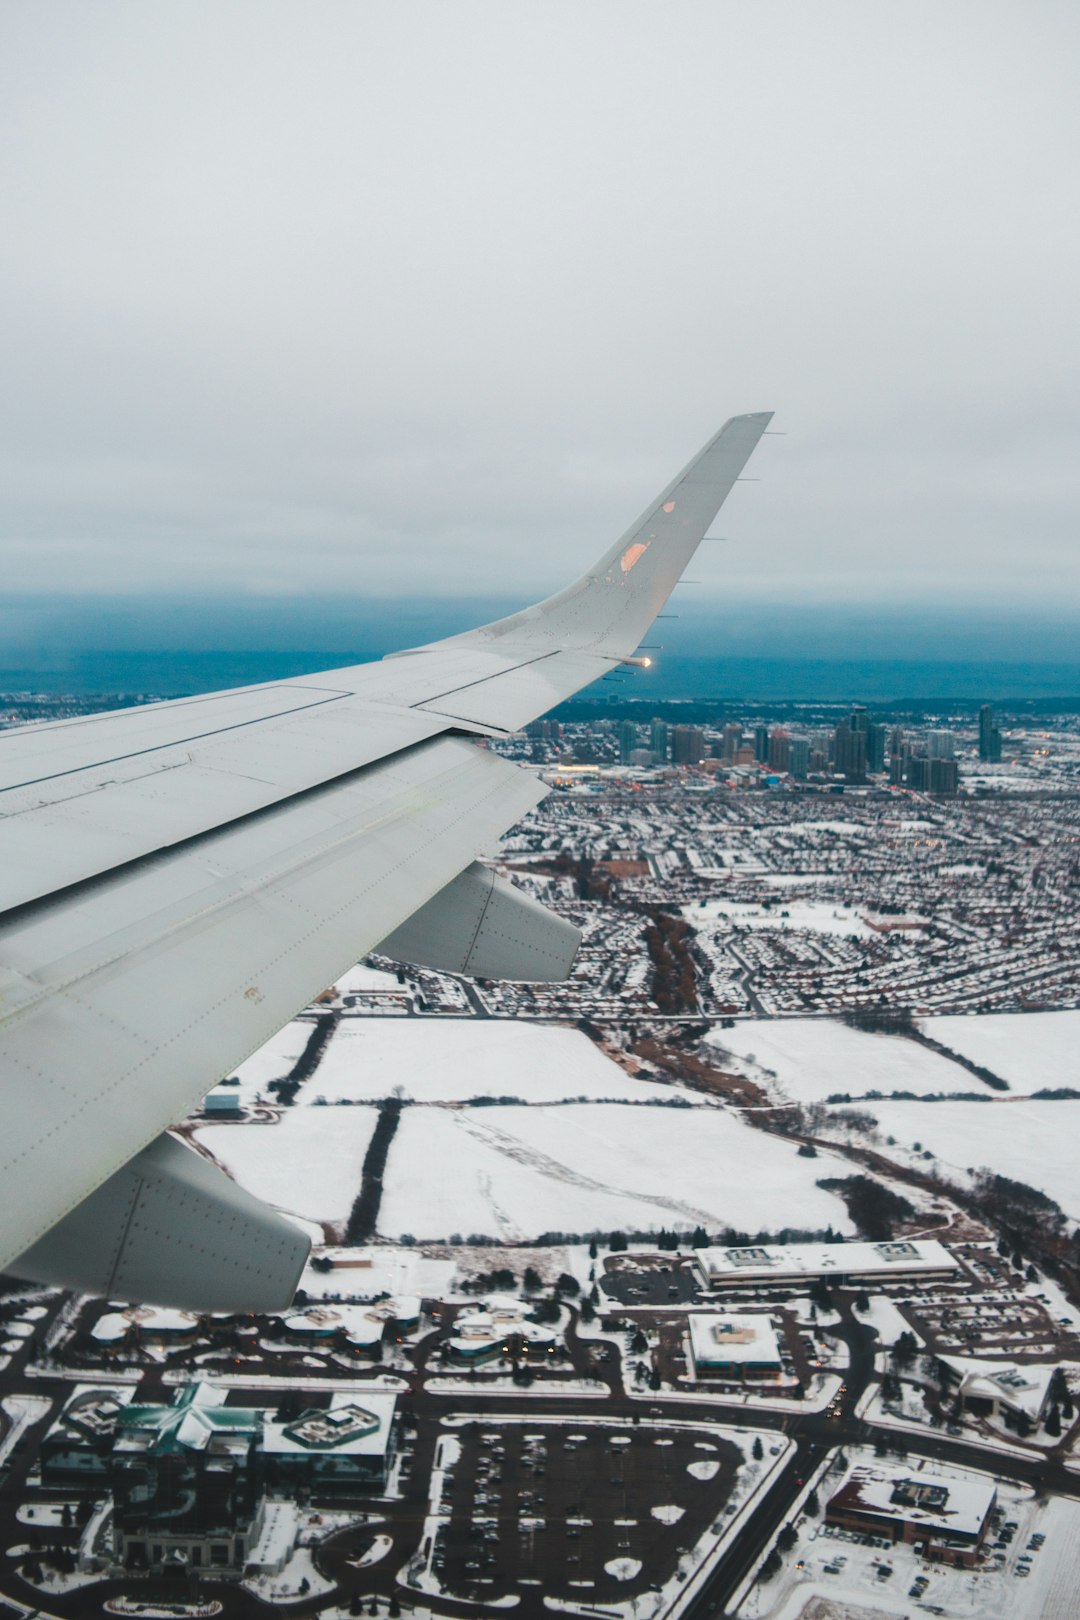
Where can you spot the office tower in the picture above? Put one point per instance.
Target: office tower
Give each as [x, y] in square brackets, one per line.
[687, 745]
[799, 758]
[732, 740]
[849, 752]
[761, 744]
[918, 773]
[779, 751]
[658, 739]
[875, 747]
[989, 736]
[628, 740]
[940, 744]
[944, 775]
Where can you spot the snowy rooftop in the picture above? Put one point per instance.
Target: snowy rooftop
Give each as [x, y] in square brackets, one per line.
[368, 1274]
[799, 1260]
[357, 1425]
[1022, 1388]
[358, 1323]
[92, 1410]
[950, 1506]
[151, 1320]
[732, 1338]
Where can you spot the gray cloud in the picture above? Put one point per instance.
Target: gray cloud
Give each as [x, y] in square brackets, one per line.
[440, 294]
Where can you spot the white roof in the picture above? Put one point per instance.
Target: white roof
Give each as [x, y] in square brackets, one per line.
[950, 1505]
[732, 1338]
[356, 1321]
[351, 1410]
[151, 1319]
[364, 1274]
[797, 1260]
[1023, 1388]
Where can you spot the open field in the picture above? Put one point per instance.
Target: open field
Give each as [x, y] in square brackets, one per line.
[1029, 1050]
[439, 1060]
[517, 1172]
[1034, 1142]
[813, 1058]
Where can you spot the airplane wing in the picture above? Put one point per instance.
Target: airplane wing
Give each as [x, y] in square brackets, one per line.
[180, 879]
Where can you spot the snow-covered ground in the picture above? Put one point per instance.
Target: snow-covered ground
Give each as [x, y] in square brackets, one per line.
[272, 1061]
[843, 1575]
[517, 1172]
[440, 1060]
[813, 1058]
[819, 916]
[308, 1163]
[1029, 1050]
[1034, 1142]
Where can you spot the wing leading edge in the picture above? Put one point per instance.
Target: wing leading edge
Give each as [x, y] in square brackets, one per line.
[223, 859]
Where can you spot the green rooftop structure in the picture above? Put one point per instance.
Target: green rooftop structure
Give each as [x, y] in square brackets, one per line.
[186, 1483]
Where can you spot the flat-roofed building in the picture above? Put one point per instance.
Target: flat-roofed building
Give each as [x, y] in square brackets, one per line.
[334, 1450]
[78, 1447]
[743, 1348]
[947, 1517]
[803, 1262]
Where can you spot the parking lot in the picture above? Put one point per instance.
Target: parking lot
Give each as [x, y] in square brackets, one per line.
[563, 1503]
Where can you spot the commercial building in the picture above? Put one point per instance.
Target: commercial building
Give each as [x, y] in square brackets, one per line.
[761, 744]
[337, 1450]
[185, 1483]
[989, 736]
[77, 1449]
[779, 751]
[838, 1262]
[1001, 1390]
[799, 758]
[849, 752]
[940, 744]
[742, 1348]
[946, 1518]
[687, 745]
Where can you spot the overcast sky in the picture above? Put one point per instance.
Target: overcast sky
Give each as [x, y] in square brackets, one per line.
[380, 298]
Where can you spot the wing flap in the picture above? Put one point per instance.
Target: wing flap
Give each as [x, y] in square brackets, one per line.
[122, 1004]
[168, 1228]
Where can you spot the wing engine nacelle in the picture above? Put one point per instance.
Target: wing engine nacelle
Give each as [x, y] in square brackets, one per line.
[482, 926]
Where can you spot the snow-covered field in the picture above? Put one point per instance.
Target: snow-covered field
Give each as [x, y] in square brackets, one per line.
[272, 1061]
[817, 915]
[518, 1172]
[812, 1058]
[1034, 1142]
[438, 1060]
[1029, 1050]
[309, 1163]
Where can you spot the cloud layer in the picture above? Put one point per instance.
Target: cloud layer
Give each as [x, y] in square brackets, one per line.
[373, 299]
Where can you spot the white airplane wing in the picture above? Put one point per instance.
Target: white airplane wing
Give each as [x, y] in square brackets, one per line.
[179, 880]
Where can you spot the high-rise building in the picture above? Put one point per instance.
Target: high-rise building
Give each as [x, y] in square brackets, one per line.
[732, 740]
[628, 740]
[849, 752]
[761, 744]
[687, 745]
[989, 736]
[658, 739]
[944, 776]
[779, 750]
[799, 758]
[918, 773]
[875, 747]
[940, 744]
